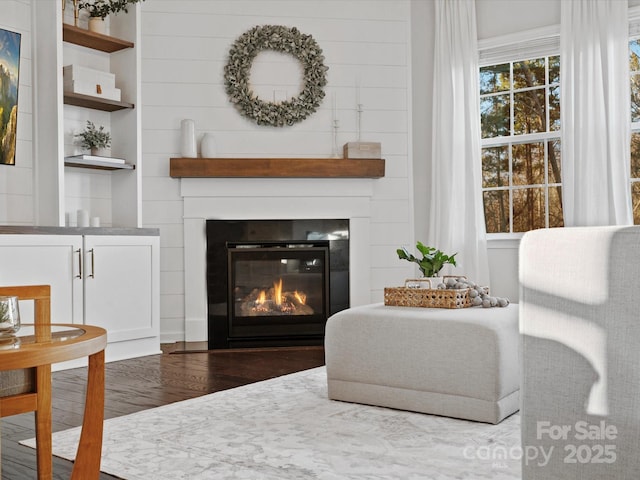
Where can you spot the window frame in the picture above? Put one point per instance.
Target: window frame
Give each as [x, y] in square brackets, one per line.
[528, 138]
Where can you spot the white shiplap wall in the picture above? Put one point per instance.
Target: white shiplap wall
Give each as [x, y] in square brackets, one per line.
[184, 49]
[16, 182]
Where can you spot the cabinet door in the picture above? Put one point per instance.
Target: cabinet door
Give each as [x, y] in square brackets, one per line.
[45, 260]
[121, 285]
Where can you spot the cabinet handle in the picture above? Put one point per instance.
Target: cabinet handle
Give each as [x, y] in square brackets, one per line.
[93, 265]
[79, 275]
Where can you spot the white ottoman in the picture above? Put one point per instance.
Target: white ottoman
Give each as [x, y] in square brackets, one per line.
[461, 363]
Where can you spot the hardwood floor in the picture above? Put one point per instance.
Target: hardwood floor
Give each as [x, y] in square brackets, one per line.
[183, 371]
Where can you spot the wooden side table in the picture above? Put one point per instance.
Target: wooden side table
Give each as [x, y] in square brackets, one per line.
[61, 343]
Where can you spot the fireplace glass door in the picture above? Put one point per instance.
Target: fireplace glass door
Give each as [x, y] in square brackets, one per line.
[278, 289]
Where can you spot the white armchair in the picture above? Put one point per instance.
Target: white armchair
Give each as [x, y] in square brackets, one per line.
[580, 328]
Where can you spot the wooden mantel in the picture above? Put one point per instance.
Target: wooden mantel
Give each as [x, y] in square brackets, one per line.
[277, 167]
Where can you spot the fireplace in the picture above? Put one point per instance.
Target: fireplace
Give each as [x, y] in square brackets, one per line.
[278, 289]
[275, 282]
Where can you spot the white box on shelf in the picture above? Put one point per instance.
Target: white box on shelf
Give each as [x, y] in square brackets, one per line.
[95, 90]
[80, 73]
[362, 150]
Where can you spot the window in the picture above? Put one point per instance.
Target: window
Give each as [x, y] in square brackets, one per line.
[634, 69]
[520, 122]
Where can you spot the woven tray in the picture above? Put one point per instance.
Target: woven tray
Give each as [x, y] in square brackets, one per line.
[426, 297]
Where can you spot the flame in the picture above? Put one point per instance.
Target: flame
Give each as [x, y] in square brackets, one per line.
[277, 292]
[301, 297]
[275, 301]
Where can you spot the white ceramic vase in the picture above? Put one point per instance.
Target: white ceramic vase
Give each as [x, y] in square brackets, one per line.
[188, 146]
[208, 146]
[83, 218]
[97, 25]
[101, 152]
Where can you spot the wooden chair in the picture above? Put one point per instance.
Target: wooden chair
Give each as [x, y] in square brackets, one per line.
[29, 390]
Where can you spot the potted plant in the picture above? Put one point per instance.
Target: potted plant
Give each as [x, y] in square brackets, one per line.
[431, 262]
[95, 139]
[99, 9]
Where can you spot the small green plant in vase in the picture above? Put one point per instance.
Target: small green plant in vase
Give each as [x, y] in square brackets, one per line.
[98, 10]
[95, 139]
[431, 262]
[430, 265]
[102, 8]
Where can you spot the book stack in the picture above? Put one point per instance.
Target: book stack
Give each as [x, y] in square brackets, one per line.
[96, 158]
[96, 161]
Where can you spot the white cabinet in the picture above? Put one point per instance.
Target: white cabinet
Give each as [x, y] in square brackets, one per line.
[121, 291]
[111, 281]
[46, 259]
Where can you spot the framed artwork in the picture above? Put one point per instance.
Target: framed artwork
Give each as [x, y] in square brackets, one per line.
[9, 80]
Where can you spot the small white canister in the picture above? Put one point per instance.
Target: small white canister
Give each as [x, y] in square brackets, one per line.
[83, 218]
[208, 146]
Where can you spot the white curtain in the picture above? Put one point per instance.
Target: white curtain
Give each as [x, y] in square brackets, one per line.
[594, 86]
[456, 218]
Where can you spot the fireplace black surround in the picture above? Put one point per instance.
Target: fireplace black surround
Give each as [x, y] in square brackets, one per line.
[305, 261]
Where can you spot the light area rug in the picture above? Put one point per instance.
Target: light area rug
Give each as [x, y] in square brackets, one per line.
[287, 428]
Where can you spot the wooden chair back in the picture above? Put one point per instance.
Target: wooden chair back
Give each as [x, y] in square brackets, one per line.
[38, 399]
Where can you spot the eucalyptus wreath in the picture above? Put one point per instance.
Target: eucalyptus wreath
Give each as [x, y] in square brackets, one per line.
[280, 39]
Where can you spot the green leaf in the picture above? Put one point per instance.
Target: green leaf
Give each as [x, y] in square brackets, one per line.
[423, 249]
[432, 259]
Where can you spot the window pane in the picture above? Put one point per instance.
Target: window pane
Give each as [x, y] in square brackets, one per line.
[529, 112]
[634, 55]
[635, 199]
[494, 116]
[495, 167]
[496, 211]
[494, 78]
[635, 155]
[528, 164]
[635, 98]
[555, 207]
[555, 163]
[529, 73]
[554, 109]
[554, 69]
[528, 209]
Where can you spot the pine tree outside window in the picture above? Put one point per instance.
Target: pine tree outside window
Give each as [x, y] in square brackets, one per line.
[521, 157]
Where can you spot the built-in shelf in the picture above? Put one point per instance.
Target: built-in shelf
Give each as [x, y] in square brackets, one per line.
[96, 41]
[98, 164]
[277, 167]
[95, 103]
